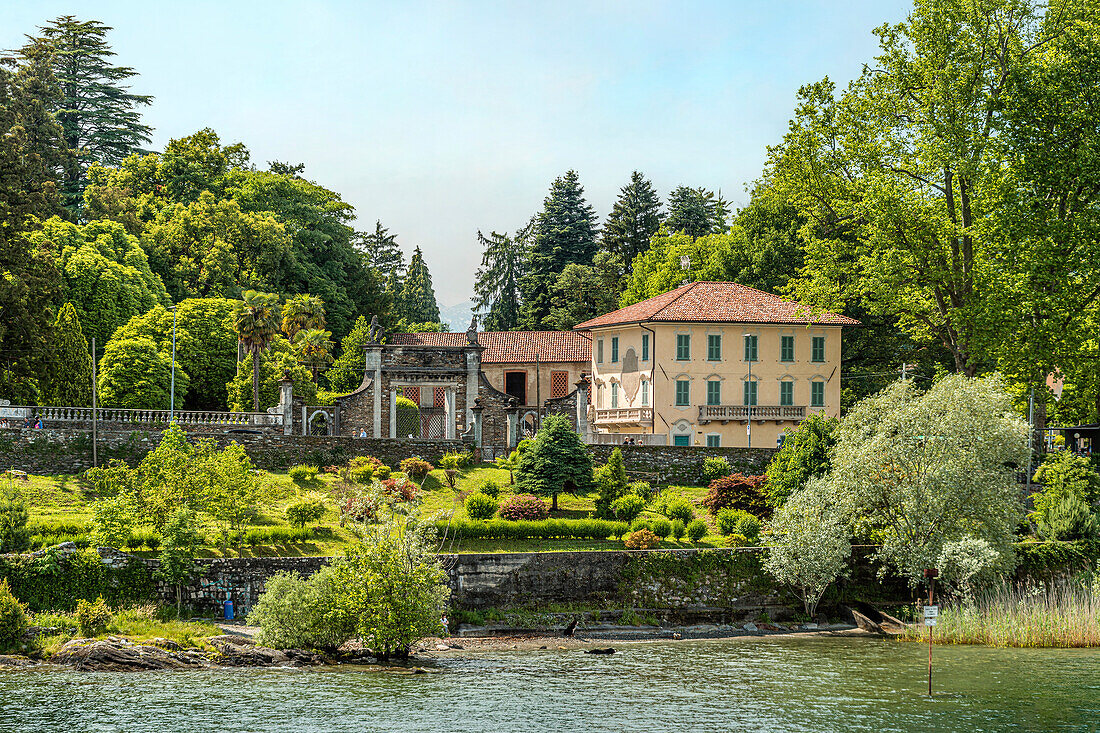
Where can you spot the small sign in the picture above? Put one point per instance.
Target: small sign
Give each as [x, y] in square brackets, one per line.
[931, 613]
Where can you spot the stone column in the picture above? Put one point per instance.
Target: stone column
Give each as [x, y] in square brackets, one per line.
[449, 413]
[513, 425]
[582, 410]
[286, 400]
[373, 370]
[473, 369]
[475, 423]
[393, 412]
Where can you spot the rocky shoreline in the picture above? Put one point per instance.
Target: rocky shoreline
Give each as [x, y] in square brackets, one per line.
[226, 651]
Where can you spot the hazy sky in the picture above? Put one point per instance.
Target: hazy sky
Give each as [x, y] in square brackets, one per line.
[440, 118]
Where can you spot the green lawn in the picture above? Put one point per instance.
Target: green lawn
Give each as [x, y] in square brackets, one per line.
[65, 500]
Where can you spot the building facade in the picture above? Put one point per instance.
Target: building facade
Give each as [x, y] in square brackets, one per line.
[713, 364]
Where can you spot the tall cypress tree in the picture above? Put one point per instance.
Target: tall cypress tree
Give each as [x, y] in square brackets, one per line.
[32, 153]
[496, 287]
[418, 296]
[696, 212]
[566, 234]
[67, 378]
[635, 218]
[98, 113]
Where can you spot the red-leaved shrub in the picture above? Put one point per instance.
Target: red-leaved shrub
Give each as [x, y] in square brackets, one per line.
[416, 468]
[524, 506]
[643, 539]
[737, 491]
[400, 488]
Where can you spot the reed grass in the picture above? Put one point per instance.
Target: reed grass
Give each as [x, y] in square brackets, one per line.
[1063, 615]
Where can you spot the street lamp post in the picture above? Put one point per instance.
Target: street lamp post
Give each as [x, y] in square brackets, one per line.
[172, 397]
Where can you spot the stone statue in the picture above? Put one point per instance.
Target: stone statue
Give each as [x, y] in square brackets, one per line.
[471, 332]
[374, 335]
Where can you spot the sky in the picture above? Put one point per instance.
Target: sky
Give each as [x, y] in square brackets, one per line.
[443, 118]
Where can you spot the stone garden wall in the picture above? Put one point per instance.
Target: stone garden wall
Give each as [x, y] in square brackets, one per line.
[680, 464]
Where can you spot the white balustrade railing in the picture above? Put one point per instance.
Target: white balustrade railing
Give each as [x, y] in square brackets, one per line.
[754, 412]
[127, 415]
[624, 415]
[618, 438]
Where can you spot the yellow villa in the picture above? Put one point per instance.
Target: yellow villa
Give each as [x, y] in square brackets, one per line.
[713, 364]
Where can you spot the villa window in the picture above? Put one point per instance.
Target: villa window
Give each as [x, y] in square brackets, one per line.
[599, 351]
[645, 347]
[683, 392]
[683, 347]
[817, 394]
[714, 441]
[786, 393]
[750, 348]
[614, 349]
[645, 393]
[787, 349]
[714, 347]
[614, 394]
[714, 392]
[818, 353]
[750, 393]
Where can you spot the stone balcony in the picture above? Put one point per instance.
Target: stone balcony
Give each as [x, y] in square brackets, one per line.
[624, 416]
[744, 413]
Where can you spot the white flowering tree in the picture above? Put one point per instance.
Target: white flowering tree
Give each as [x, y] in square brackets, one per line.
[915, 471]
[808, 543]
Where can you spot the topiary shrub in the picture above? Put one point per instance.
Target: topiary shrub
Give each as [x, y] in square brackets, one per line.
[662, 527]
[737, 491]
[416, 468]
[639, 524]
[92, 616]
[489, 487]
[680, 509]
[304, 511]
[643, 539]
[696, 530]
[610, 483]
[524, 506]
[480, 506]
[408, 417]
[677, 529]
[362, 469]
[382, 472]
[729, 521]
[714, 468]
[13, 618]
[627, 508]
[302, 474]
[642, 488]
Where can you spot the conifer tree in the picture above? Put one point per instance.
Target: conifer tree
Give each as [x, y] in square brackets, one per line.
[496, 287]
[97, 110]
[696, 212]
[67, 380]
[634, 219]
[418, 303]
[32, 153]
[557, 461]
[566, 234]
[383, 255]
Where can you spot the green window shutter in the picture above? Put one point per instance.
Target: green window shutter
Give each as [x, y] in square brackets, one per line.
[682, 392]
[614, 349]
[714, 392]
[750, 393]
[645, 347]
[683, 347]
[714, 441]
[750, 348]
[599, 351]
[818, 353]
[681, 440]
[714, 347]
[786, 394]
[817, 394]
[788, 349]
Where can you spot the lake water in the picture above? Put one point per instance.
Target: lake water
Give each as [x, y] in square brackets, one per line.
[721, 685]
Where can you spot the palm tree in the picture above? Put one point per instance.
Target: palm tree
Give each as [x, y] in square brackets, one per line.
[256, 321]
[314, 348]
[301, 313]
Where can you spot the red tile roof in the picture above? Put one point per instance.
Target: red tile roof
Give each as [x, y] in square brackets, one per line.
[510, 346]
[716, 302]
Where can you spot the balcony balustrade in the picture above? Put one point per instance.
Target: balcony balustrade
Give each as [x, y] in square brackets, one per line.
[744, 413]
[625, 416]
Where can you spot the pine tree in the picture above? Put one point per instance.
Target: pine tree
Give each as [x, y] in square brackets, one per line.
[67, 378]
[496, 287]
[32, 153]
[417, 296]
[97, 111]
[635, 218]
[384, 256]
[696, 212]
[557, 461]
[566, 234]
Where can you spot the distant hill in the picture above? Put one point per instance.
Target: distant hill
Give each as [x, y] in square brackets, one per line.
[458, 316]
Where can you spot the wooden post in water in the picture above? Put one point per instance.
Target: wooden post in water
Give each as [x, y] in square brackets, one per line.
[930, 615]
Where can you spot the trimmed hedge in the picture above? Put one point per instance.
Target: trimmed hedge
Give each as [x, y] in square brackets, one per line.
[55, 582]
[501, 529]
